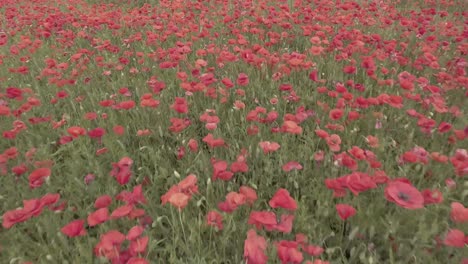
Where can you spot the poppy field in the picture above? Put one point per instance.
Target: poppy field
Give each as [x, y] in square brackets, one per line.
[249, 131]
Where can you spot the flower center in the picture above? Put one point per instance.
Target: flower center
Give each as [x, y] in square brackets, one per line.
[403, 196]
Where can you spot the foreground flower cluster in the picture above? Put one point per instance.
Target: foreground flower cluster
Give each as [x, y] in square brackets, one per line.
[305, 131]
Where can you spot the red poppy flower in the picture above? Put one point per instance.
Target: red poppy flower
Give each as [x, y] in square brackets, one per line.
[214, 218]
[239, 166]
[189, 183]
[74, 228]
[455, 238]
[432, 196]
[249, 193]
[118, 130]
[76, 131]
[233, 200]
[121, 211]
[212, 142]
[334, 142]
[135, 232]
[345, 160]
[345, 211]
[268, 146]
[134, 197]
[254, 248]
[262, 219]
[372, 141]
[335, 114]
[50, 199]
[313, 250]
[180, 105]
[404, 195]
[89, 178]
[220, 170]
[358, 182]
[138, 246]
[242, 79]
[136, 213]
[10, 218]
[291, 127]
[313, 75]
[458, 214]
[101, 151]
[4, 110]
[102, 201]
[179, 200]
[122, 170]
[97, 132]
[98, 217]
[282, 199]
[33, 207]
[285, 224]
[38, 176]
[109, 244]
[126, 105]
[292, 165]
[186, 187]
[322, 133]
[288, 252]
[193, 145]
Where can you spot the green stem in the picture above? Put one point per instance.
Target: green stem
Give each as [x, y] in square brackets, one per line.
[182, 225]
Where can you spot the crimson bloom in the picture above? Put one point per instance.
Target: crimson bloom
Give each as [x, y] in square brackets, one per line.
[74, 228]
[283, 199]
[288, 252]
[233, 200]
[432, 196]
[249, 193]
[455, 238]
[254, 248]
[358, 182]
[10, 218]
[139, 245]
[179, 200]
[98, 217]
[121, 211]
[285, 224]
[135, 232]
[33, 207]
[312, 250]
[134, 197]
[76, 131]
[212, 142]
[268, 146]
[458, 214]
[38, 176]
[292, 165]
[239, 166]
[404, 195]
[180, 194]
[345, 211]
[262, 219]
[180, 105]
[50, 199]
[109, 244]
[220, 170]
[214, 218]
[334, 142]
[103, 201]
[122, 170]
[97, 133]
[243, 79]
